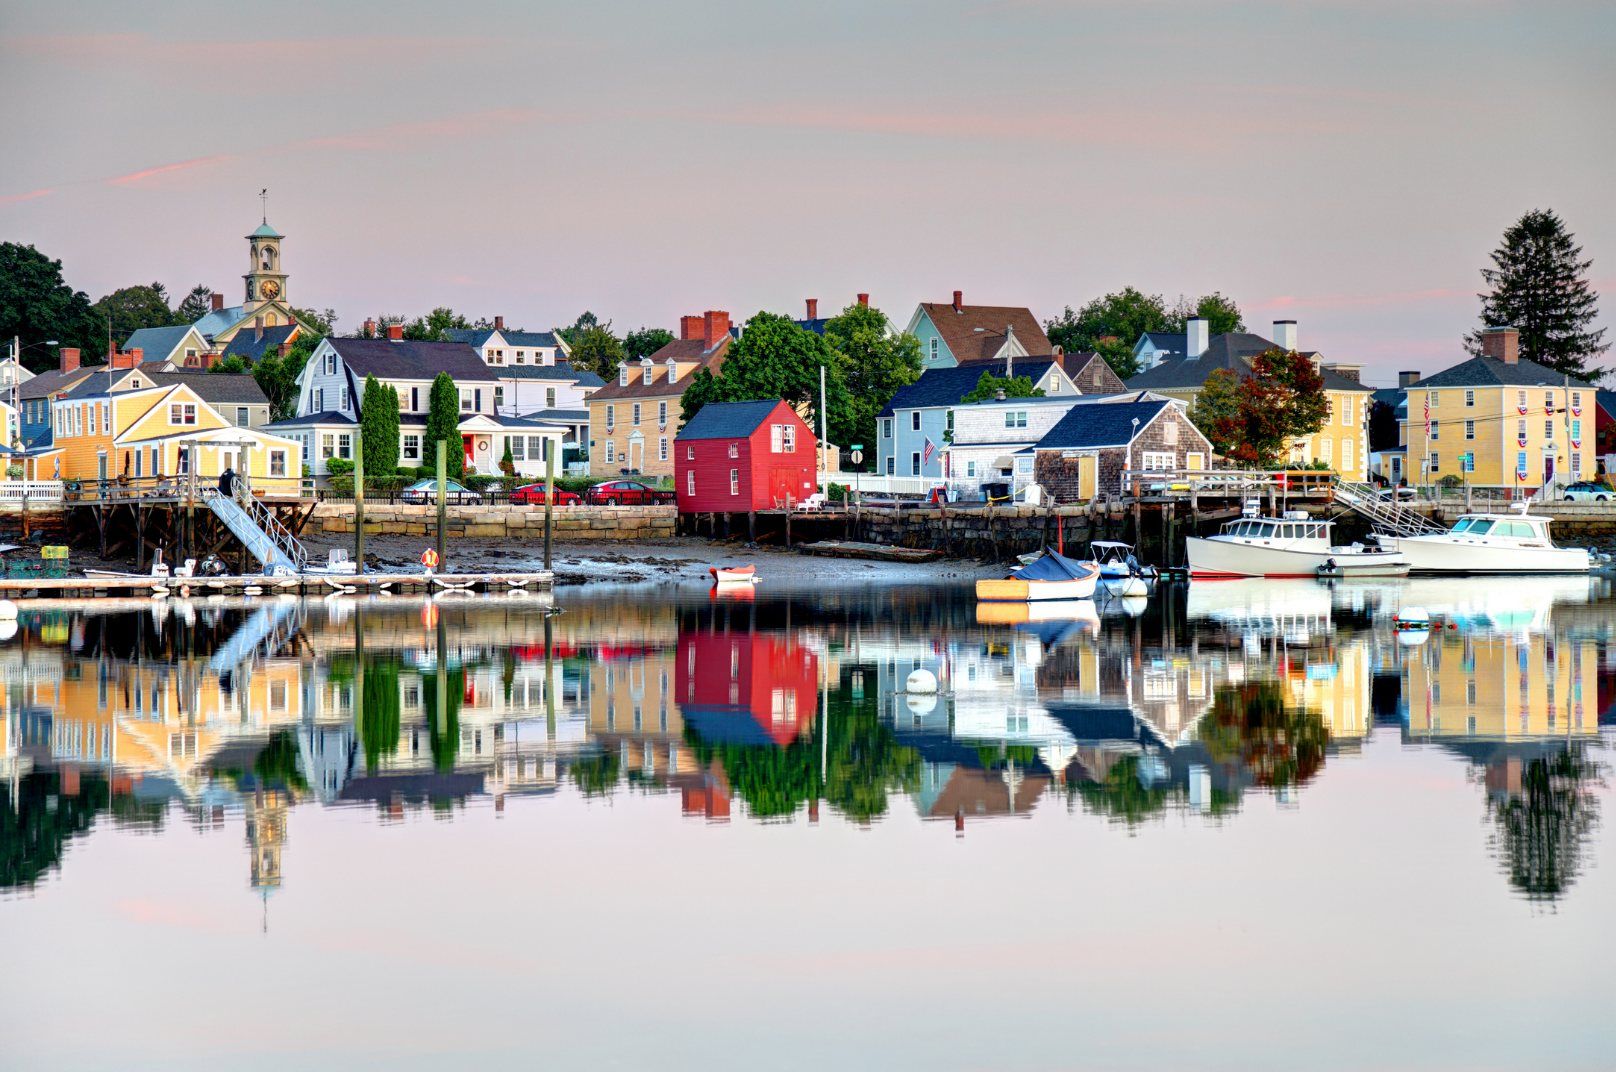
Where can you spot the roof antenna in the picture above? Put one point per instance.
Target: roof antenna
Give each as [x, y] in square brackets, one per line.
[263, 204]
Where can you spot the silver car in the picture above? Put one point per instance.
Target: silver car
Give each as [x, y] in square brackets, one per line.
[1588, 491]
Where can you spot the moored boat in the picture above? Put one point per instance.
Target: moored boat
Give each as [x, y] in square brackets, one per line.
[1514, 542]
[741, 574]
[1293, 545]
[1052, 576]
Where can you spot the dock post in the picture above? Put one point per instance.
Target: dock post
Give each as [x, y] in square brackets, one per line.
[359, 502]
[751, 526]
[443, 506]
[788, 524]
[549, 504]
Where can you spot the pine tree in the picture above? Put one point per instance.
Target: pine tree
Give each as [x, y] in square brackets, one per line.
[1539, 283]
[378, 428]
[443, 422]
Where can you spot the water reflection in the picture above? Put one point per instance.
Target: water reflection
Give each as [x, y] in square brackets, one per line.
[794, 706]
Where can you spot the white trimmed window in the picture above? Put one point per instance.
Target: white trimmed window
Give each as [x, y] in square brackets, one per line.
[182, 413]
[1470, 429]
[1470, 398]
[662, 449]
[277, 463]
[611, 416]
[914, 421]
[411, 448]
[518, 447]
[734, 481]
[611, 451]
[635, 414]
[662, 413]
[690, 482]
[1156, 460]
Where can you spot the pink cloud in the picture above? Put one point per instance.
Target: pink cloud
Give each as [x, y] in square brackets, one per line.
[12, 199]
[166, 169]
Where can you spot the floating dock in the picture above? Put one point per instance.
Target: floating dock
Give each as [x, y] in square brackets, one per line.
[256, 584]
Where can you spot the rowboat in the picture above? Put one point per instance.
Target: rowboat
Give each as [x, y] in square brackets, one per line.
[746, 574]
[1053, 576]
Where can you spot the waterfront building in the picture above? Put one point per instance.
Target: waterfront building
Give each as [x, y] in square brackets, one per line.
[915, 428]
[737, 457]
[634, 419]
[36, 393]
[1500, 420]
[1090, 373]
[953, 333]
[1091, 447]
[1340, 444]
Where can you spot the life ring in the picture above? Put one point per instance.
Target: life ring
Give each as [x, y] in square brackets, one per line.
[429, 559]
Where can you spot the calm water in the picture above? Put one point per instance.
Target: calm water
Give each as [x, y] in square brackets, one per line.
[1249, 827]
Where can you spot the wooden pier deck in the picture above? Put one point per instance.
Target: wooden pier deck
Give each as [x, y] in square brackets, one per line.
[292, 584]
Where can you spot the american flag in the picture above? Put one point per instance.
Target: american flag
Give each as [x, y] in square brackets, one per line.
[931, 448]
[1428, 414]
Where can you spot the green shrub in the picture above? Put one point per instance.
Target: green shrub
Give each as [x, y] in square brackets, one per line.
[837, 493]
[338, 466]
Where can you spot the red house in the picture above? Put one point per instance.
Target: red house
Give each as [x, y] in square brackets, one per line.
[736, 457]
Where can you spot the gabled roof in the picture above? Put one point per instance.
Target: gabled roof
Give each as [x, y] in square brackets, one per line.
[1091, 373]
[975, 332]
[1090, 427]
[1491, 372]
[1171, 342]
[682, 351]
[1605, 399]
[1232, 351]
[102, 378]
[328, 416]
[232, 388]
[946, 386]
[249, 345]
[561, 370]
[478, 336]
[217, 320]
[47, 383]
[559, 416]
[157, 343]
[408, 359]
[727, 420]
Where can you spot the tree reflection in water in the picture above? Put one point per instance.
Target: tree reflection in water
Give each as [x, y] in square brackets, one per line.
[1274, 745]
[1544, 809]
[37, 823]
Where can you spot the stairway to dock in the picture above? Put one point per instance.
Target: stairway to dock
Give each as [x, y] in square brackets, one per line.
[1387, 515]
[260, 531]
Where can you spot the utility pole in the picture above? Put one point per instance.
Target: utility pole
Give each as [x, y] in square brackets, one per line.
[359, 501]
[443, 507]
[823, 466]
[549, 496]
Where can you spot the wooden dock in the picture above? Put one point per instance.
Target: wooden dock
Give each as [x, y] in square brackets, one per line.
[292, 584]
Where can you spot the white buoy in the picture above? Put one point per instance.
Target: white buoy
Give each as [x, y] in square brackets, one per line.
[8, 611]
[920, 704]
[920, 680]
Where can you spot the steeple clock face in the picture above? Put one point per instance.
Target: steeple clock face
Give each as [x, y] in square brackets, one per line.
[270, 290]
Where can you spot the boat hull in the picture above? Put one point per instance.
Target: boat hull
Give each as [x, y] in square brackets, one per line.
[1219, 558]
[1016, 590]
[1437, 554]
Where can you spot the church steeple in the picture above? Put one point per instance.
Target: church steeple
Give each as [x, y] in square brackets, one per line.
[266, 282]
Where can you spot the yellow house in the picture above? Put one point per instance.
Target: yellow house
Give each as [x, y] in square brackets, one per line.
[1341, 444]
[1499, 420]
[128, 425]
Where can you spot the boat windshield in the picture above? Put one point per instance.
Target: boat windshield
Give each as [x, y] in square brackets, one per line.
[1474, 526]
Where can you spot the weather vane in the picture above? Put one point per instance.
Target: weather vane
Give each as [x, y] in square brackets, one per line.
[263, 203]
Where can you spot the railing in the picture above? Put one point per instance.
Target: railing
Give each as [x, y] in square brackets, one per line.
[876, 484]
[265, 519]
[33, 491]
[1388, 515]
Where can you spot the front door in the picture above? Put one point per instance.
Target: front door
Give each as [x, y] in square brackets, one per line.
[468, 446]
[1087, 468]
[1548, 471]
[636, 451]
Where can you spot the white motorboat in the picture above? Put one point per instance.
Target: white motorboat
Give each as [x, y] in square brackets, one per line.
[1052, 576]
[1514, 542]
[1115, 560]
[1294, 545]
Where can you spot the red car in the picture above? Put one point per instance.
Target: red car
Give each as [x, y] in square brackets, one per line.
[626, 493]
[533, 495]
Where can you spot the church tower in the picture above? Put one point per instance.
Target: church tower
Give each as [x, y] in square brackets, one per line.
[266, 282]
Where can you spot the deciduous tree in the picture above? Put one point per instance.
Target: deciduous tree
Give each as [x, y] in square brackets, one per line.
[37, 305]
[599, 351]
[129, 309]
[1282, 399]
[875, 363]
[774, 358]
[645, 342]
[1538, 284]
[989, 386]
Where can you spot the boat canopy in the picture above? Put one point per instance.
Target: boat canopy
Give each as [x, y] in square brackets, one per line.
[1054, 566]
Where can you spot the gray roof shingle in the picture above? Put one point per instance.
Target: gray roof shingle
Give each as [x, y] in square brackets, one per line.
[561, 370]
[408, 359]
[1091, 427]
[727, 420]
[1491, 372]
[946, 386]
[156, 343]
[1232, 351]
[251, 346]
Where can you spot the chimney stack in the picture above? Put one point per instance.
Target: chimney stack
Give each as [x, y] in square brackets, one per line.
[691, 327]
[959, 300]
[68, 359]
[716, 325]
[370, 327]
[1196, 337]
[258, 328]
[210, 359]
[125, 359]
[395, 332]
[499, 323]
[1408, 376]
[998, 396]
[1285, 335]
[216, 300]
[1502, 344]
[864, 301]
[813, 309]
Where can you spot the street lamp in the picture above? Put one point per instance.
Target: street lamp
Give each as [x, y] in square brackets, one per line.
[1127, 460]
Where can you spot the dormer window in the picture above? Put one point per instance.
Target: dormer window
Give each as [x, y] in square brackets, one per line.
[648, 373]
[673, 370]
[622, 376]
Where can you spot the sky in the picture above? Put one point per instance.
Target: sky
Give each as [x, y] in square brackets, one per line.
[1346, 164]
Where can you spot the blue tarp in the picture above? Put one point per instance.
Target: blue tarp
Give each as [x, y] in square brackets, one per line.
[1054, 566]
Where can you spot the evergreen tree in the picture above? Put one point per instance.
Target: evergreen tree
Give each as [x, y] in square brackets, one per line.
[195, 305]
[1539, 285]
[645, 342]
[443, 422]
[378, 428]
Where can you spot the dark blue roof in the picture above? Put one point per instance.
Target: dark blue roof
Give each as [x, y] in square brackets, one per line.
[329, 416]
[946, 386]
[1607, 401]
[725, 724]
[478, 336]
[727, 420]
[1491, 372]
[251, 345]
[816, 325]
[561, 370]
[1103, 424]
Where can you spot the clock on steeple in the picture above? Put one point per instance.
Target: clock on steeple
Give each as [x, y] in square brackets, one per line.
[266, 281]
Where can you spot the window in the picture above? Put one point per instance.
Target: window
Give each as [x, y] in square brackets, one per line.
[499, 397]
[1156, 460]
[518, 445]
[734, 481]
[277, 463]
[330, 364]
[1346, 412]
[650, 373]
[914, 421]
[734, 450]
[1470, 429]
[970, 469]
[1170, 433]
[1432, 397]
[1576, 463]
[139, 459]
[1346, 455]
[690, 453]
[1548, 430]
[933, 345]
[536, 448]
[662, 413]
[549, 398]
[184, 460]
[1520, 401]
[411, 448]
[415, 400]
[243, 416]
[1435, 431]
[1548, 401]
[1576, 400]
[1436, 462]
[635, 414]
[1576, 430]
[183, 413]
[1327, 447]
[914, 463]
[318, 396]
[610, 449]
[690, 482]
[611, 415]
[1520, 462]
[328, 445]
[1467, 462]
[886, 428]
[662, 449]
[1015, 418]
[1520, 431]
[344, 445]
[782, 438]
[622, 376]
[344, 399]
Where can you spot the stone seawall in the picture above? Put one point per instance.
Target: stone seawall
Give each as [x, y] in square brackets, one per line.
[499, 522]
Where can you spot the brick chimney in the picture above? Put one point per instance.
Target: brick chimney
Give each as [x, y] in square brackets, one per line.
[370, 327]
[1503, 344]
[691, 327]
[126, 359]
[395, 332]
[210, 359]
[813, 309]
[258, 328]
[68, 359]
[216, 300]
[715, 325]
[959, 300]
[864, 301]
[1285, 334]
[499, 323]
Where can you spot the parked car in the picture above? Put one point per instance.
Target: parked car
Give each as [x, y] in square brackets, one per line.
[626, 493]
[1588, 491]
[533, 495]
[426, 491]
[1402, 493]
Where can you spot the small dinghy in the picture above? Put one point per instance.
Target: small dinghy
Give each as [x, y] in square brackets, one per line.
[1051, 576]
[739, 574]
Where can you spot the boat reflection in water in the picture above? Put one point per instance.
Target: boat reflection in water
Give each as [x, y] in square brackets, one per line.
[195, 712]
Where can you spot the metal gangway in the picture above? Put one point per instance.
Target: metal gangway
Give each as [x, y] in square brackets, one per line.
[1387, 515]
[259, 530]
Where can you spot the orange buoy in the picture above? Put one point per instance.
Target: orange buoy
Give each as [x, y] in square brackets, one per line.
[429, 558]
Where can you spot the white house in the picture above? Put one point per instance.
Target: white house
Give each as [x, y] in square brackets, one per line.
[531, 369]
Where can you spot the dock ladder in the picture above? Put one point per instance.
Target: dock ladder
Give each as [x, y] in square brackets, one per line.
[1387, 515]
[259, 530]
